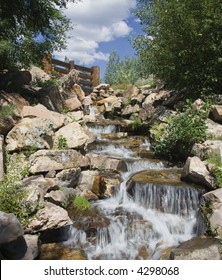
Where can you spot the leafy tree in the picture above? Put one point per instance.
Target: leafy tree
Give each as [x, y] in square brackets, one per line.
[112, 68]
[30, 29]
[121, 71]
[182, 43]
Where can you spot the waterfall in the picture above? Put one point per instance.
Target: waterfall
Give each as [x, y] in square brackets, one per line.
[144, 221]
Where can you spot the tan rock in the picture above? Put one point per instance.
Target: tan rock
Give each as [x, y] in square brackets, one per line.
[42, 112]
[79, 92]
[74, 134]
[50, 160]
[49, 217]
[72, 103]
[31, 133]
[217, 113]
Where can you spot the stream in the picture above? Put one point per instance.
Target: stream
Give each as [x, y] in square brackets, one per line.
[143, 221]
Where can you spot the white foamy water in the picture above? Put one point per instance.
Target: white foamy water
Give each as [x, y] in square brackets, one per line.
[142, 222]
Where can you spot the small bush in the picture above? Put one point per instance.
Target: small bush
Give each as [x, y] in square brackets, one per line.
[215, 159]
[81, 203]
[136, 123]
[7, 110]
[12, 195]
[176, 139]
[62, 143]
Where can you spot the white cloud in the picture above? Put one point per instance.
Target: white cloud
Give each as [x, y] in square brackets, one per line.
[95, 21]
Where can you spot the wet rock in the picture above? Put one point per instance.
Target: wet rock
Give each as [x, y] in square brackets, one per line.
[158, 177]
[207, 148]
[214, 214]
[74, 134]
[29, 133]
[68, 178]
[50, 160]
[105, 163]
[195, 171]
[49, 217]
[55, 251]
[89, 195]
[10, 228]
[105, 184]
[198, 248]
[2, 163]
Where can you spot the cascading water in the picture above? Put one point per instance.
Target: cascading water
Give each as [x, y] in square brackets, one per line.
[144, 221]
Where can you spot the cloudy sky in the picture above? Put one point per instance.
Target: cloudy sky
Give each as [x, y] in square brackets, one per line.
[100, 26]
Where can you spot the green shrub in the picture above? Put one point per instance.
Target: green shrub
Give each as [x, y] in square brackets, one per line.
[136, 123]
[12, 195]
[7, 110]
[62, 143]
[176, 139]
[81, 203]
[215, 159]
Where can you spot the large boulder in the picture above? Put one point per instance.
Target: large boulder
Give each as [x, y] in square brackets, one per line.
[38, 75]
[10, 228]
[214, 130]
[72, 104]
[68, 178]
[36, 188]
[105, 163]
[217, 113]
[2, 164]
[207, 148]
[13, 80]
[214, 211]
[74, 134]
[195, 171]
[49, 217]
[198, 248]
[31, 133]
[41, 111]
[56, 160]
[61, 197]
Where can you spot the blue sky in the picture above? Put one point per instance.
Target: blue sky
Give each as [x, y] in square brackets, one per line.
[100, 26]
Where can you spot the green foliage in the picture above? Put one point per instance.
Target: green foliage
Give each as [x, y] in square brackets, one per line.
[182, 44]
[62, 143]
[47, 83]
[12, 195]
[136, 123]
[121, 72]
[215, 159]
[7, 110]
[81, 203]
[175, 140]
[31, 29]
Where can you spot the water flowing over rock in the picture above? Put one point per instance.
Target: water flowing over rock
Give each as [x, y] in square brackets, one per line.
[31, 133]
